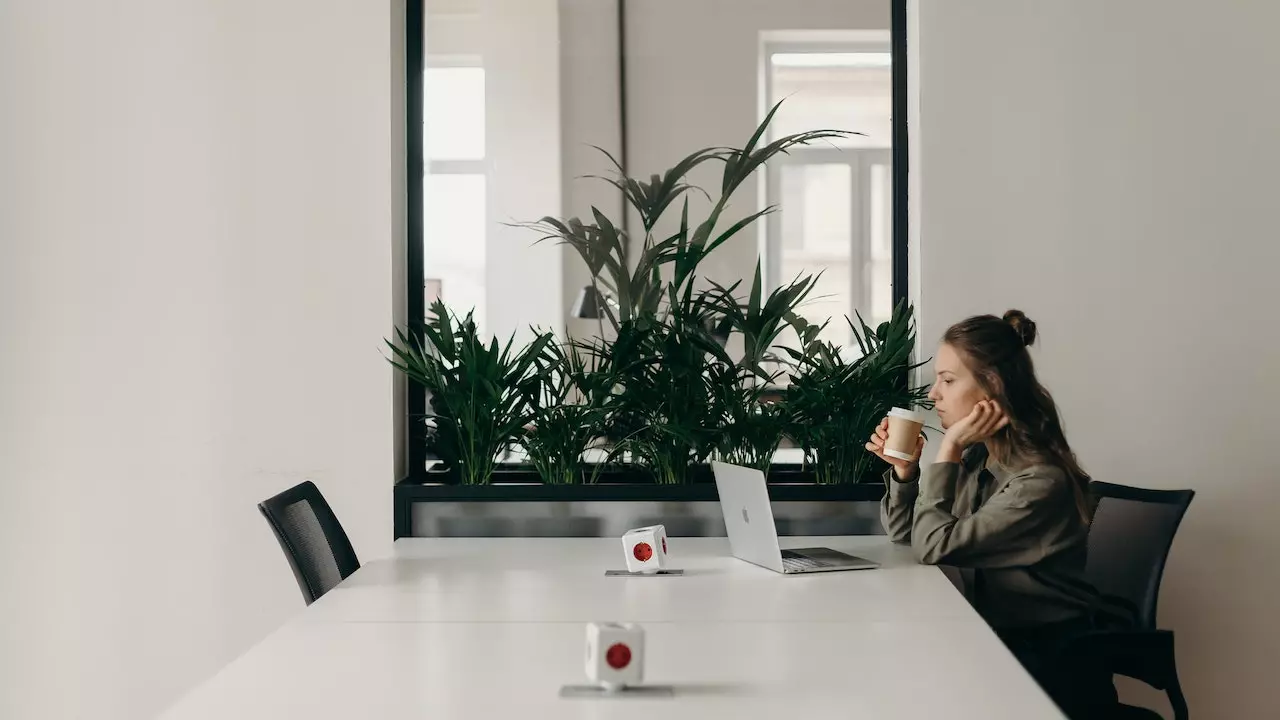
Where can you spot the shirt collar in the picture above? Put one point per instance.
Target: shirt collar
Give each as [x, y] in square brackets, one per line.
[976, 458]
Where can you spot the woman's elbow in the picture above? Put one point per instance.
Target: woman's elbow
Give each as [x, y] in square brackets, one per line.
[897, 528]
[899, 534]
[926, 552]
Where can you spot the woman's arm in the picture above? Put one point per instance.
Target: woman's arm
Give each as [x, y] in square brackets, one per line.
[898, 504]
[900, 483]
[1030, 518]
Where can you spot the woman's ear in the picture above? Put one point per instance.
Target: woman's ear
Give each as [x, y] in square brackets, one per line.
[991, 386]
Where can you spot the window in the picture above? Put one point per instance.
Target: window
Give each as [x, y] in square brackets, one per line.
[491, 83]
[834, 200]
[838, 90]
[453, 235]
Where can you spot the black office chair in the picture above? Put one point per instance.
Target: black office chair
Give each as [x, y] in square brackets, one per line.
[313, 540]
[1129, 543]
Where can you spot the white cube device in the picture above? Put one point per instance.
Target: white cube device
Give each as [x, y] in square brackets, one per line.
[646, 549]
[615, 654]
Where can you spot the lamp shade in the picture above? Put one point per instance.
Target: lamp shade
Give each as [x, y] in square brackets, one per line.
[589, 305]
[719, 331]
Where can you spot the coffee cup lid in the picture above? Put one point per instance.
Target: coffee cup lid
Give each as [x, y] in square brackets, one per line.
[905, 414]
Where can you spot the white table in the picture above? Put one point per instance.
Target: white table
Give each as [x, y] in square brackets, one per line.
[485, 628]
[561, 580]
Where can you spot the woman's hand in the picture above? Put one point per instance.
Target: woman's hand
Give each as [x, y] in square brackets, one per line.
[906, 470]
[981, 423]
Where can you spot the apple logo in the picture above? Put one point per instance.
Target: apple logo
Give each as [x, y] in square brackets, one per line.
[745, 518]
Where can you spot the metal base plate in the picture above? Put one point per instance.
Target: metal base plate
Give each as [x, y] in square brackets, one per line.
[624, 692]
[628, 573]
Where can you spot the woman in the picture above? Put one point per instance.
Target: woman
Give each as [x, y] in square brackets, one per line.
[1005, 502]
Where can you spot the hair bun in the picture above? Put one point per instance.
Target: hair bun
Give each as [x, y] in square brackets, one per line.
[1024, 326]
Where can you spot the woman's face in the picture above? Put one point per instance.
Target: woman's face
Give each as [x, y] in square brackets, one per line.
[955, 390]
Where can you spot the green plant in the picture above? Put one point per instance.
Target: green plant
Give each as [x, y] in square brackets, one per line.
[638, 285]
[665, 403]
[837, 403]
[655, 393]
[751, 429]
[663, 388]
[564, 421]
[479, 392]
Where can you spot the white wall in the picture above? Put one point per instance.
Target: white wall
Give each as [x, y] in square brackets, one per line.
[589, 116]
[522, 125]
[694, 81]
[195, 277]
[693, 78]
[518, 43]
[1109, 168]
[686, 92]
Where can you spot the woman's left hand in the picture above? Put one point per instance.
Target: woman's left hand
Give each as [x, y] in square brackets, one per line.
[981, 423]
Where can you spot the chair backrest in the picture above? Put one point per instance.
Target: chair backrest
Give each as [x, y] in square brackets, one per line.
[1129, 541]
[313, 540]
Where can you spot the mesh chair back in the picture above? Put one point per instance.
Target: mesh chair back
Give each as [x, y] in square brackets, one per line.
[1129, 541]
[313, 540]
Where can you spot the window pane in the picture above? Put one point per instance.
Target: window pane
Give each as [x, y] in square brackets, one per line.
[837, 91]
[454, 239]
[817, 197]
[816, 217]
[835, 204]
[833, 59]
[453, 115]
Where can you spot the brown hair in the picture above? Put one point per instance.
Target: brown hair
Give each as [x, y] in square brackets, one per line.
[995, 351]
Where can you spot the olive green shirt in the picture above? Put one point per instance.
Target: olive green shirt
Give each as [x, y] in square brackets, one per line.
[1017, 536]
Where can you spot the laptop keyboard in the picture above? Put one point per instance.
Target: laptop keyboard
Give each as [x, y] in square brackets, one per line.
[792, 561]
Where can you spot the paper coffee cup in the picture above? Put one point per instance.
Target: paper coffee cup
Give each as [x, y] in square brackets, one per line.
[904, 433]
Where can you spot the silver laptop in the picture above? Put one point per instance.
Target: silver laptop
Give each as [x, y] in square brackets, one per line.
[744, 499]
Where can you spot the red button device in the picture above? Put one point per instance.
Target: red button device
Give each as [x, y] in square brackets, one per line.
[618, 656]
[642, 551]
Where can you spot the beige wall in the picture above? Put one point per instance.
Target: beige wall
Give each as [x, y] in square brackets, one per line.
[518, 44]
[522, 123]
[196, 273]
[693, 81]
[1107, 167]
[589, 116]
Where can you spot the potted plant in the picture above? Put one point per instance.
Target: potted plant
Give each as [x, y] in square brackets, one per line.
[670, 405]
[479, 392]
[663, 390]
[565, 420]
[751, 427]
[837, 402]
